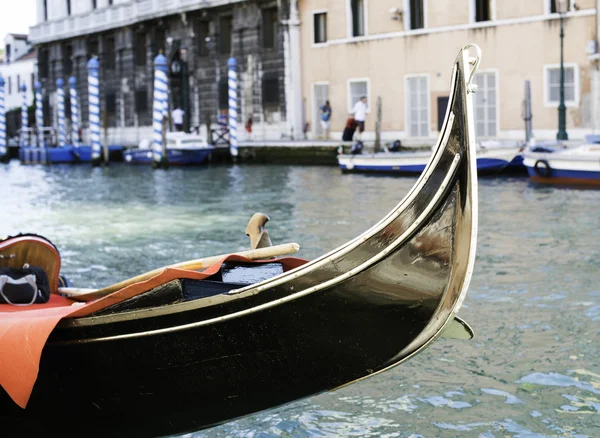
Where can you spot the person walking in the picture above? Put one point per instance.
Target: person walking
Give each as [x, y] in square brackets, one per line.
[360, 114]
[177, 116]
[325, 119]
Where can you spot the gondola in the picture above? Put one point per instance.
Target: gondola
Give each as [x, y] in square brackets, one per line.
[181, 353]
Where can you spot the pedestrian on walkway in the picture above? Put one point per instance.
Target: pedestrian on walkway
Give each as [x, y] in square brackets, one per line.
[177, 116]
[360, 114]
[325, 119]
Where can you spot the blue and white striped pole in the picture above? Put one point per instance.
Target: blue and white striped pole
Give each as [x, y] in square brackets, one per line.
[39, 114]
[3, 151]
[60, 93]
[24, 116]
[233, 106]
[159, 109]
[94, 109]
[74, 112]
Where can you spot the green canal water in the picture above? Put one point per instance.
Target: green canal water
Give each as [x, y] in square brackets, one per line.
[532, 370]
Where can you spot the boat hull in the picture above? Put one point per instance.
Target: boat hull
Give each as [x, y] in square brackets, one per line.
[65, 154]
[563, 169]
[414, 163]
[177, 157]
[188, 380]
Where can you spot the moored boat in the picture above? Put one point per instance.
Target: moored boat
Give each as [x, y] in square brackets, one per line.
[579, 166]
[64, 154]
[182, 149]
[491, 159]
[184, 350]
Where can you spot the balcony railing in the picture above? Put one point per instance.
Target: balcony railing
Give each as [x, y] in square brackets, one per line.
[115, 16]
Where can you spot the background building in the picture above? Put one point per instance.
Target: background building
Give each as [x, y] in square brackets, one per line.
[18, 67]
[197, 38]
[402, 51]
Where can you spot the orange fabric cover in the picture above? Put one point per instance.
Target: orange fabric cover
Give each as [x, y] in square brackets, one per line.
[24, 330]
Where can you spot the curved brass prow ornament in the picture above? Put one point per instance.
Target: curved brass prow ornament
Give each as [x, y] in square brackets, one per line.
[259, 236]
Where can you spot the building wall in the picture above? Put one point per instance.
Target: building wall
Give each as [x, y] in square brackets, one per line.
[516, 47]
[22, 69]
[18, 48]
[129, 81]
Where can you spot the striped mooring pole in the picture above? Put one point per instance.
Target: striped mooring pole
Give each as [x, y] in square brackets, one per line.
[39, 114]
[233, 106]
[24, 116]
[3, 151]
[60, 93]
[159, 111]
[94, 109]
[74, 112]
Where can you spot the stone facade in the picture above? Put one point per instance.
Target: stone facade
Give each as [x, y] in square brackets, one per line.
[251, 31]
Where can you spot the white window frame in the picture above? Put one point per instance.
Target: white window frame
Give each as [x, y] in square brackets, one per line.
[497, 75]
[547, 7]
[349, 94]
[577, 92]
[314, 106]
[406, 103]
[406, 16]
[472, 11]
[316, 12]
[349, 19]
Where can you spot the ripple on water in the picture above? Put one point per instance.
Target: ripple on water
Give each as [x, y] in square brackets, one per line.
[533, 301]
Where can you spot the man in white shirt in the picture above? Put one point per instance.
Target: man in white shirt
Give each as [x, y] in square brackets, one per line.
[178, 118]
[360, 113]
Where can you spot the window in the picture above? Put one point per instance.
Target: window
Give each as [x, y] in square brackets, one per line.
[110, 2]
[68, 7]
[140, 49]
[320, 27]
[269, 22]
[485, 104]
[92, 47]
[18, 83]
[552, 86]
[158, 42]
[68, 59]
[32, 83]
[225, 31]
[111, 103]
[554, 6]
[270, 91]
[483, 10]
[202, 32]
[67, 103]
[94, 4]
[109, 53]
[9, 85]
[43, 63]
[417, 106]
[417, 16]
[223, 94]
[357, 88]
[357, 12]
[45, 10]
[8, 53]
[141, 101]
